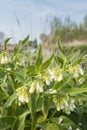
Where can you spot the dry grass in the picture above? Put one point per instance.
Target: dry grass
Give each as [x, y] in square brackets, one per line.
[76, 43]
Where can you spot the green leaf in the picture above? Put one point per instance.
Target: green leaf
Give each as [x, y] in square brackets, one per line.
[61, 85]
[16, 50]
[19, 77]
[60, 47]
[10, 100]
[25, 40]
[45, 64]
[45, 106]
[52, 126]
[59, 60]
[6, 122]
[64, 123]
[31, 70]
[73, 56]
[19, 123]
[78, 61]
[39, 58]
[6, 41]
[76, 91]
[84, 121]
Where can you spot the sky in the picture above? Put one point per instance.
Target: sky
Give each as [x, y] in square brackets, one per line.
[18, 18]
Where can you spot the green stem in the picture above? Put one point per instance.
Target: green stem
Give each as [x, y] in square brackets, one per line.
[33, 111]
[12, 81]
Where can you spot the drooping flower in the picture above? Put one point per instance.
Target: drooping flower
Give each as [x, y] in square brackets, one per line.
[60, 120]
[60, 77]
[52, 91]
[32, 88]
[22, 93]
[35, 85]
[39, 88]
[66, 104]
[4, 59]
[51, 74]
[77, 129]
[81, 80]
[70, 128]
[81, 71]
[76, 70]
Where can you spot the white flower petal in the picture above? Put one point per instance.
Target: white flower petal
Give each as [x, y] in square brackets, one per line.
[60, 120]
[60, 77]
[70, 128]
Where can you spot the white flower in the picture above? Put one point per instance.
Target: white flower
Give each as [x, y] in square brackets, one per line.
[81, 80]
[81, 71]
[76, 70]
[68, 112]
[80, 123]
[77, 129]
[60, 120]
[2, 60]
[22, 93]
[62, 107]
[70, 128]
[65, 102]
[48, 82]
[26, 100]
[72, 101]
[23, 99]
[51, 73]
[32, 88]
[39, 88]
[5, 60]
[72, 107]
[76, 75]
[8, 69]
[58, 108]
[52, 91]
[60, 77]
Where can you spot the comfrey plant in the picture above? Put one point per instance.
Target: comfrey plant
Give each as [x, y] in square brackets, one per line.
[42, 95]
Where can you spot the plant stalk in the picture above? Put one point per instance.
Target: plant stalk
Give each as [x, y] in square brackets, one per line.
[33, 111]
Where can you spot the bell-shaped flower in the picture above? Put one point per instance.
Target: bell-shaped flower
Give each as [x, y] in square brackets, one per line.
[22, 93]
[32, 87]
[39, 88]
[4, 59]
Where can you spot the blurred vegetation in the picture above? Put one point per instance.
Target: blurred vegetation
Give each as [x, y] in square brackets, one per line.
[81, 48]
[66, 29]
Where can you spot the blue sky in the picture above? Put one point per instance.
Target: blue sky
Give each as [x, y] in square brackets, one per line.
[33, 15]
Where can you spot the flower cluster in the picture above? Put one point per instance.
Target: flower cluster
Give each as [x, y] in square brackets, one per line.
[21, 61]
[54, 74]
[76, 70]
[4, 58]
[81, 80]
[65, 103]
[35, 85]
[23, 96]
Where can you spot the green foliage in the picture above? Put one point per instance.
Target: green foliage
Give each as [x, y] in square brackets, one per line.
[39, 58]
[66, 29]
[6, 42]
[6, 122]
[42, 94]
